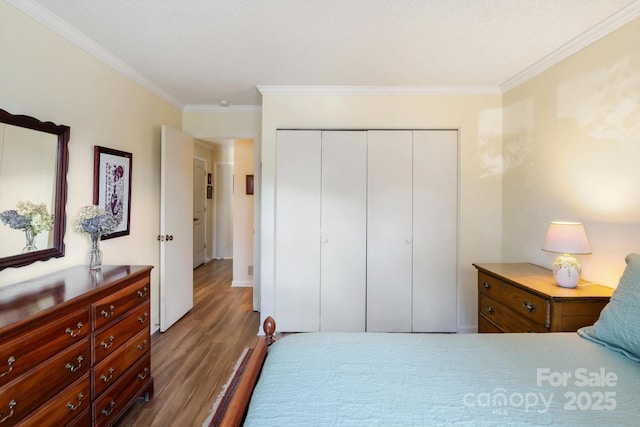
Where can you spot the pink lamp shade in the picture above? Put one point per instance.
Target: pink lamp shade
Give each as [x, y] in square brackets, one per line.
[566, 238]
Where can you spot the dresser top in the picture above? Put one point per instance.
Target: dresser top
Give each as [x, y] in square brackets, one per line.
[540, 280]
[25, 299]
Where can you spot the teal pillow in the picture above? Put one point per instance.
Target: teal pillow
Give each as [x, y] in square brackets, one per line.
[618, 327]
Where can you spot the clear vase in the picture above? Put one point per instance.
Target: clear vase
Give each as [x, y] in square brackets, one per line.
[95, 254]
[31, 245]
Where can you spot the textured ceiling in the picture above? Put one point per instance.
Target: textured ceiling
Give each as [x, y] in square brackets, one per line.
[204, 51]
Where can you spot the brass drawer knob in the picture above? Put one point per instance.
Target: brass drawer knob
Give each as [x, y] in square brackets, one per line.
[73, 407]
[109, 313]
[72, 368]
[529, 306]
[142, 375]
[10, 361]
[105, 378]
[109, 409]
[486, 286]
[12, 405]
[109, 344]
[490, 309]
[73, 333]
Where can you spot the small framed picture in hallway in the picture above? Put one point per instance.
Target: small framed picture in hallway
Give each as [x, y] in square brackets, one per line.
[249, 184]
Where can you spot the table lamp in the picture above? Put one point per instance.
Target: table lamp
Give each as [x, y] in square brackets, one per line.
[566, 238]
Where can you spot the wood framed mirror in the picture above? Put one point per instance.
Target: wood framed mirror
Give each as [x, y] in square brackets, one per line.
[34, 160]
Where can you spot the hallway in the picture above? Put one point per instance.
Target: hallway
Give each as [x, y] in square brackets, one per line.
[193, 359]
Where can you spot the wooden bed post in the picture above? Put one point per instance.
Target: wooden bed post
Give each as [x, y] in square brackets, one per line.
[233, 414]
[269, 328]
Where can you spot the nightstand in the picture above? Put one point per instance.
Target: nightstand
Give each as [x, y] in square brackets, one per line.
[521, 297]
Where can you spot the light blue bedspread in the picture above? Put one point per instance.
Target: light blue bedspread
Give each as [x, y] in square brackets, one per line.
[378, 379]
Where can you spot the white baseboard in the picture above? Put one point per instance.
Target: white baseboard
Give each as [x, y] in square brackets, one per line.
[468, 330]
[242, 283]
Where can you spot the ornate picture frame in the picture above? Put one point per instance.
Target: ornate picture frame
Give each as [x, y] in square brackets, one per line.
[112, 186]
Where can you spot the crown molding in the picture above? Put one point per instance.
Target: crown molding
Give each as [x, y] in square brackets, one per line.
[609, 25]
[212, 108]
[378, 90]
[51, 21]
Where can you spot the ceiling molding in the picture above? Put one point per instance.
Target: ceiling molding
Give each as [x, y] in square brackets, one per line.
[378, 90]
[609, 25]
[51, 21]
[212, 108]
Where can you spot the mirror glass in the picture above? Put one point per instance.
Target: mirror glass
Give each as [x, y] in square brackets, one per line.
[33, 169]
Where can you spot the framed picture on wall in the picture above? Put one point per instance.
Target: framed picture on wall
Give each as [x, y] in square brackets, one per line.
[112, 186]
[209, 191]
[249, 184]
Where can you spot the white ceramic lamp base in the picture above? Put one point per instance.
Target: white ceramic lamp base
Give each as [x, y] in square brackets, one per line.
[566, 270]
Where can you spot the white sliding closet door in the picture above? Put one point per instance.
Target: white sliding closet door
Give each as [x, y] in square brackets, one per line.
[389, 231]
[297, 242]
[344, 231]
[435, 201]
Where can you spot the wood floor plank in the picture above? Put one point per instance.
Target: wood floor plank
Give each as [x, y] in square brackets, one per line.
[192, 360]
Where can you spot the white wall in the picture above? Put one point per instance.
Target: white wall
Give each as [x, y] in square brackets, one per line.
[572, 152]
[479, 119]
[46, 76]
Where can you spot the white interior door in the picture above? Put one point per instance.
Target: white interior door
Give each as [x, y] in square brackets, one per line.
[344, 231]
[176, 231]
[435, 224]
[199, 212]
[297, 241]
[389, 231]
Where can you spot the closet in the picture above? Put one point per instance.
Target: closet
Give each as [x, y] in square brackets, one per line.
[366, 230]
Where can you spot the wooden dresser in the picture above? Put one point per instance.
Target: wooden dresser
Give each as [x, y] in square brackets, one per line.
[75, 347]
[522, 297]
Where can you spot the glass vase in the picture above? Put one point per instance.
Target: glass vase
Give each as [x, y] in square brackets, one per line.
[95, 254]
[30, 238]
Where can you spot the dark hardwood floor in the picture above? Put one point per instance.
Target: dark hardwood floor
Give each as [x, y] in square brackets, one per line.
[193, 359]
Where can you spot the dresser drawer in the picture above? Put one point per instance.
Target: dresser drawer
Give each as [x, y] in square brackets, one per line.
[20, 354]
[508, 320]
[44, 381]
[525, 303]
[109, 308]
[116, 399]
[112, 367]
[484, 326]
[64, 407]
[109, 339]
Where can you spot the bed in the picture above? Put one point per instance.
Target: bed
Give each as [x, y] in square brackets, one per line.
[380, 379]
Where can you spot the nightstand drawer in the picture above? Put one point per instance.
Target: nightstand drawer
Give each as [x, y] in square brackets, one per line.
[525, 303]
[505, 318]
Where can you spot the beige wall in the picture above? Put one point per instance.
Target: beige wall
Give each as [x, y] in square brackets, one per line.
[479, 120]
[242, 213]
[46, 76]
[572, 152]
